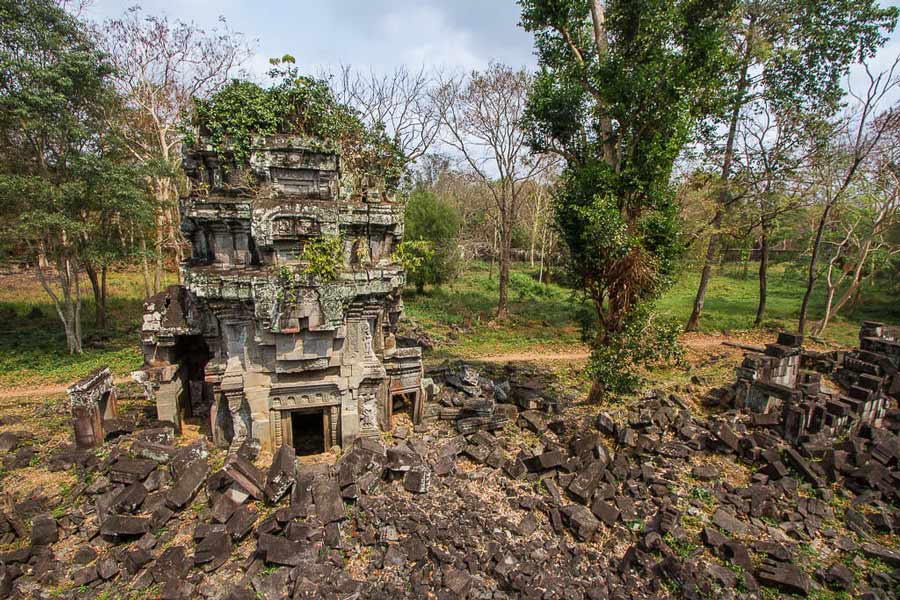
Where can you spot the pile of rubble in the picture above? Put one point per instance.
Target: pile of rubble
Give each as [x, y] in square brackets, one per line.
[786, 386]
[461, 394]
[654, 501]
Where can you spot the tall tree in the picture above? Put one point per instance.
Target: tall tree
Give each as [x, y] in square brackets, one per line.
[55, 91]
[483, 116]
[160, 66]
[621, 87]
[794, 54]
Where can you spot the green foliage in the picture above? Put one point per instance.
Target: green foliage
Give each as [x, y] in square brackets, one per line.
[620, 115]
[807, 47]
[68, 195]
[646, 339]
[414, 255]
[323, 258]
[527, 287]
[301, 105]
[432, 226]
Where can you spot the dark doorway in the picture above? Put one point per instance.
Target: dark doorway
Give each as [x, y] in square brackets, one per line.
[193, 353]
[308, 432]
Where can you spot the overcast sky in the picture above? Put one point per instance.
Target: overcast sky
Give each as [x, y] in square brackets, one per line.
[379, 34]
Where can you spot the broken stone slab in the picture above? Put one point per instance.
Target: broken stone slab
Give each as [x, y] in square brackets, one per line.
[107, 568]
[241, 522]
[187, 484]
[605, 511]
[281, 474]
[212, 551]
[401, 458]
[327, 498]
[245, 474]
[136, 559]
[586, 481]
[157, 435]
[128, 470]
[544, 461]
[533, 420]
[10, 440]
[784, 577]
[803, 467]
[85, 576]
[223, 508]
[580, 520]
[129, 499]
[186, 456]
[728, 522]
[124, 526]
[417, 480]
[882, 553]
[159, 453]
[171, 564]
[44, 530]
[281, 551]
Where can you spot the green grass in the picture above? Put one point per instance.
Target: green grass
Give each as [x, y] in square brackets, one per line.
[732, 299]
[543, 318]
[459, 316]
[33, 344]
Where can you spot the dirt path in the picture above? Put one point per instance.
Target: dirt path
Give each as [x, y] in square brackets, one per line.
[699, 343]
[45, 390]
[535, 357]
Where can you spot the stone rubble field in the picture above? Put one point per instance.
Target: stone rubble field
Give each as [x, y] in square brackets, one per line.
[508, 490]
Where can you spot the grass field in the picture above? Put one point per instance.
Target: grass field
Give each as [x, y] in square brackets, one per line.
[543, 320]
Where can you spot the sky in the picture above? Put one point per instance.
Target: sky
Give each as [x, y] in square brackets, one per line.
[366, 34]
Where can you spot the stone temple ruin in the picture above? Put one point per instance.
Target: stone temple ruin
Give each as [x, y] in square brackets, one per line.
[783, 384]
[252, 347]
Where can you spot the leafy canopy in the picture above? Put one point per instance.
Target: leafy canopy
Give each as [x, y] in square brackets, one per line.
[618, 105]
[61, 176]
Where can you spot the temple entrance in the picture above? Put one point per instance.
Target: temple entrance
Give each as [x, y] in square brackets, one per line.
[309, 430]
[193, 353]
[402, 404]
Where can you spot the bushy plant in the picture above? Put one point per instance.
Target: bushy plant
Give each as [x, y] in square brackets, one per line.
[527, 287]
[413, 255]
[323, 258]
[302, 105]
[646, 339]
[429, 219]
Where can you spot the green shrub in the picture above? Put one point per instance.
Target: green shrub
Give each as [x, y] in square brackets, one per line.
[528, 288]
[429, 219]
[323, 258]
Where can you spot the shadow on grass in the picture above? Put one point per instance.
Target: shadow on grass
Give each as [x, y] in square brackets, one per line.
[33, 343]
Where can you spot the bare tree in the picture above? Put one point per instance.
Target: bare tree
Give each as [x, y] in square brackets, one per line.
[858, 134]
[482, 117]
[867, 216]
[402, 101]
[160, 67]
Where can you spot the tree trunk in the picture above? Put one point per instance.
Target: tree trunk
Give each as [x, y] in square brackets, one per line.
[160, 245]
[505, 244]
[595, 396]
[174, 233]
[145, 268]
[832, 309]
[693, 323]
[763, 276]
[99, 300]
[746, 258]
[813, 260]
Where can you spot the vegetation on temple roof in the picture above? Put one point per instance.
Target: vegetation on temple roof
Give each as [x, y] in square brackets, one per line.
[298, 105]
